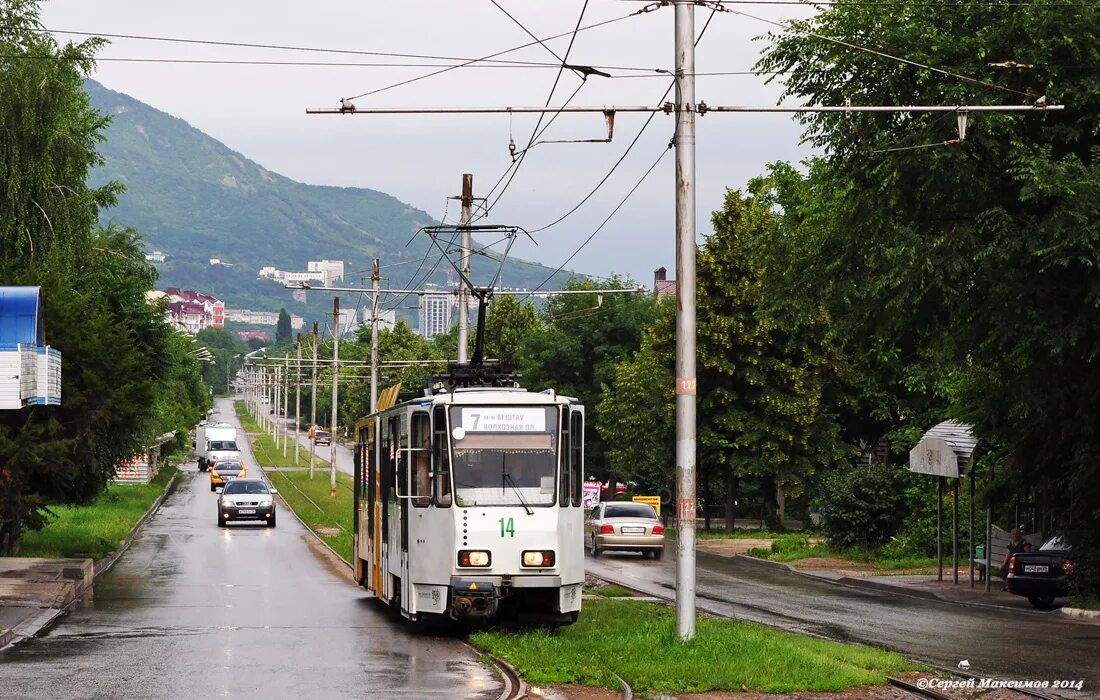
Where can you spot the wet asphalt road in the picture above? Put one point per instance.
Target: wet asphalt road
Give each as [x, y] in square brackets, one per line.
[998, 642]
[194, 611]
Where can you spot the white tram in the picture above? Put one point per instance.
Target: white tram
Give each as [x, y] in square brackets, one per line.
[468, 505]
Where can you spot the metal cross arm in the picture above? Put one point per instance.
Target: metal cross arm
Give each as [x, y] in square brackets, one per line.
[702, 108]
[500, 292]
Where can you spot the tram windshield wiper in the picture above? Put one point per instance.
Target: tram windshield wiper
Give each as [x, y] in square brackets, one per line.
[506, 477]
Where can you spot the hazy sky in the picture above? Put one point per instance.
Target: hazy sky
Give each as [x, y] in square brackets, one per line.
[259, 110]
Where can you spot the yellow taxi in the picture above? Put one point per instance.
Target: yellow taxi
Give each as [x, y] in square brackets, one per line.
[225, 470]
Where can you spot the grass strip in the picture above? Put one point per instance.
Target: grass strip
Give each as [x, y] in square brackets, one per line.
[95, 530]
[248, 423]
[609, 590]
[740, 533]
[268, 452]
[796, 547]
[637, 641]
[329, 517]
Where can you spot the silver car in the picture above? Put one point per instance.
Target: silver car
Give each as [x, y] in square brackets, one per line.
[625, 527]
[247, 499]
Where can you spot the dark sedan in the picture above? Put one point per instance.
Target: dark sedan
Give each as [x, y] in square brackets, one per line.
[247, 499]
[1042, 575]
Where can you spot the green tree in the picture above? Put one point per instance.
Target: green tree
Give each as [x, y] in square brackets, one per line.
[979, 257]
[507, 325]
[768, 383]
[637, 412]
[228, 351]
[118, 353]
[577, 350]
[282, 329]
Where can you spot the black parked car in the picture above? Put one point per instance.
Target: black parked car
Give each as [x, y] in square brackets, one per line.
[1042, 575]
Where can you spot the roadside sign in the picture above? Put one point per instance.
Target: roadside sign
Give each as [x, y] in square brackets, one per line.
[654, 501]
[591, 496]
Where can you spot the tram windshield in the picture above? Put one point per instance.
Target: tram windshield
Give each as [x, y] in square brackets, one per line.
[504, 455]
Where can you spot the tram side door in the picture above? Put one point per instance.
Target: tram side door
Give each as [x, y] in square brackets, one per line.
[398, 511]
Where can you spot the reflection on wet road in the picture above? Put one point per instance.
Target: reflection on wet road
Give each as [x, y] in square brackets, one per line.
[192, 610]
[998, 642]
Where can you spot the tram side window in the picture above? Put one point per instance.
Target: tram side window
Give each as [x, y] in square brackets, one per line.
[576, 456]
[442, 460]
[563, 479]
[420, 452]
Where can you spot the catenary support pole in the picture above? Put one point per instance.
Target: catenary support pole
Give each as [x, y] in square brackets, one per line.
[685, 317]
[939, 528]
[467, 244]
[376, 281]
[298, 400]
[970, 530]
[313, 405]
[955, 532]
[286, 402]
[989, 531]
[335, 393]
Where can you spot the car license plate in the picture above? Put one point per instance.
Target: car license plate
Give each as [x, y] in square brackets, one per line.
[633, 530]
[1036, 569]
[247, 511]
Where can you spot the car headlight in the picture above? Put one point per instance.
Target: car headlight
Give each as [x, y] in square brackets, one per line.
[474, 558]
[541, 558]
[265, 502]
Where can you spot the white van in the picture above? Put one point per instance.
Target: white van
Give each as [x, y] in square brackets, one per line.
[216, 442]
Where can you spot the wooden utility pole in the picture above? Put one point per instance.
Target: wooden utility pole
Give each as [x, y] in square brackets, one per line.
[335, 393]
[376, 279]
[463, 291]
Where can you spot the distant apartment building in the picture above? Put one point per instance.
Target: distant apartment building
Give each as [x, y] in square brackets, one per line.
[327, 272]
[254, 335]
[436, 307]
[261, 318]
[193, 310]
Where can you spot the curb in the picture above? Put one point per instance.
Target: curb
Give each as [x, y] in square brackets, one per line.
[876, 586]
[108, 561]
[765, 563]
[1081, 614]
[50, 616]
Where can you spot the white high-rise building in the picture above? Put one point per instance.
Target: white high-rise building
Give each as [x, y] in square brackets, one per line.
[436, 306]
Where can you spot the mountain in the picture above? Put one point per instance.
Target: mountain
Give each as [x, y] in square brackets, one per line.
[195, 199]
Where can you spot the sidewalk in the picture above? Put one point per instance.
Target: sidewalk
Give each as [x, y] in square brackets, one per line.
[918, 585]
[35, 591]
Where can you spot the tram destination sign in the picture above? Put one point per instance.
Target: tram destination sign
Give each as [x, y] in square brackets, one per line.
[505, 419]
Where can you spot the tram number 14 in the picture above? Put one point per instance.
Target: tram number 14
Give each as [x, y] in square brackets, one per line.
[507, 526]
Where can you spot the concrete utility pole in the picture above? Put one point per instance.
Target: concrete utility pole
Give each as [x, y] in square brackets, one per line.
[286, 400]
[685, 317]
[313, 407]
[376, 279]
[298, 400]
[276, 386]
[467, 244]
[335, 392]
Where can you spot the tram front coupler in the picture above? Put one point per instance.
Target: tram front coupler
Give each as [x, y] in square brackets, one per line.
[472, 598]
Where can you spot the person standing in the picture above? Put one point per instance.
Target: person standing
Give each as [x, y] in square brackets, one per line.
[1015, 546]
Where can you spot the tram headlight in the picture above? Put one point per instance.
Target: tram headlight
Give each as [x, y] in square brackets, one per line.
[538, 559]
[474, 558]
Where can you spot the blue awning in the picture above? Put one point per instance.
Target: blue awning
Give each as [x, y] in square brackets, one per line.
[21, 316]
